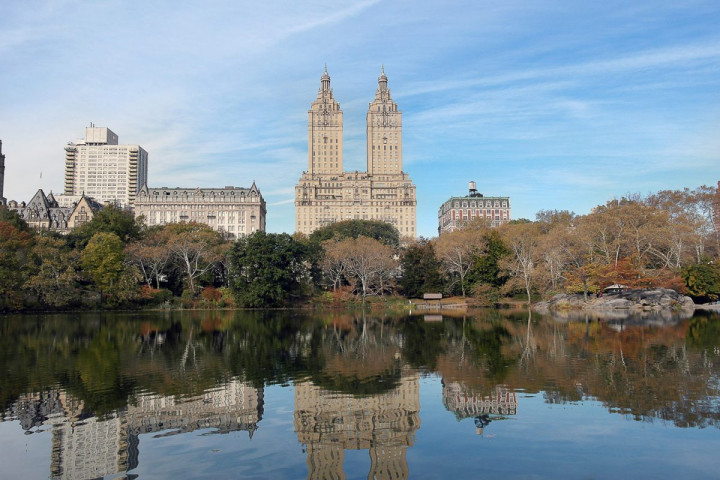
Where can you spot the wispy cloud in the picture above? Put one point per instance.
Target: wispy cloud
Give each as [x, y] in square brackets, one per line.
[548, 103]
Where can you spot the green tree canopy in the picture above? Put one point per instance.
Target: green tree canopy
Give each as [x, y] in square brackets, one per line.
[109, 220]
[13, 218]
[486, 267]
[103, 259]
[703, 280]
[15, 245]
[420, 270]
[269, 269]
[54, 278]
[377, 230]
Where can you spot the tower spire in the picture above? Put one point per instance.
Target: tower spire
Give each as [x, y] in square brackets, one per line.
[382, 80]
[325, 80]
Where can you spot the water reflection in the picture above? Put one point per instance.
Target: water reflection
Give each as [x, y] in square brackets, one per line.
[327, 424]
[466, 403]
[85, 446]
[100, 382]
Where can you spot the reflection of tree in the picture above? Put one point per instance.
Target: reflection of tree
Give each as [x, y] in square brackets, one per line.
[479, 344]
[360, 356]
[530, 345]
[423, 342]
[704, 332]
[664, 371]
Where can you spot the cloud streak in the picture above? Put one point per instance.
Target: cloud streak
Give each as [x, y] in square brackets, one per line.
[559, 106]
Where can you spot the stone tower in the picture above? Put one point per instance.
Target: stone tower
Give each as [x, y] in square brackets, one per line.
[326, 194]
[384, 132]
[325, 132]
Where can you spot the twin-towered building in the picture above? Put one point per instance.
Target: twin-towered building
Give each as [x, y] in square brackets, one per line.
[326, 193]
[100, 168]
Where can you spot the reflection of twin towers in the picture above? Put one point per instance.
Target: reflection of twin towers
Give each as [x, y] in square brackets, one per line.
[327, 424]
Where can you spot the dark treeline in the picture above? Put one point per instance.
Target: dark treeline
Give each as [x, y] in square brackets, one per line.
[667, 239]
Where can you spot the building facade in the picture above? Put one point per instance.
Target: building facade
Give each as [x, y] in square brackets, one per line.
[457, 211]
[233, 211]
[3, 200]
[86, 446]
[43, 212]
[326, 193]
[329, 423]
[99, 167]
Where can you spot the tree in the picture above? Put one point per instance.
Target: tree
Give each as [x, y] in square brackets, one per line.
[456, 252]
[486, 261]
[375, 229]
[548, 219]
[109, 220]
[420, 270]
[692, 208]
[267, 269]
[104, 260]
[13, 218]
[703, 280]
[152, 255]
[15, 247]
[197, 248]
[369, 264]
[54, 279]
[333, 261]
[522, 240]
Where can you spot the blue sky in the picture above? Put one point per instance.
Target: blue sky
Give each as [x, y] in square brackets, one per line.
[559, 105]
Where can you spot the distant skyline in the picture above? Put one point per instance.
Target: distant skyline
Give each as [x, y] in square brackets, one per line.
[558, 105]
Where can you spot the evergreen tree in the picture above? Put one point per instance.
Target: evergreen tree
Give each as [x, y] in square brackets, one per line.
[269, 269]
[420, 270]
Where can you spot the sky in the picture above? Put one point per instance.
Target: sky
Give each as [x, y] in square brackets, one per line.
[557, 104]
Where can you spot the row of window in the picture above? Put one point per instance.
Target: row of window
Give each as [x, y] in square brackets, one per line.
[479, 203]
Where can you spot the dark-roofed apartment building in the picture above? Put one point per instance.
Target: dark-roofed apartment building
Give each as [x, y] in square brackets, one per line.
[233, 211]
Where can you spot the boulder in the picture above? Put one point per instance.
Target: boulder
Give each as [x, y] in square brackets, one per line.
[651, 299]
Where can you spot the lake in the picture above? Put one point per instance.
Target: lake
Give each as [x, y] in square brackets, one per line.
[333, 395]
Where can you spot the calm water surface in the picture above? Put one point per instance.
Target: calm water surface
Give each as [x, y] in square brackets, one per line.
[342, 395]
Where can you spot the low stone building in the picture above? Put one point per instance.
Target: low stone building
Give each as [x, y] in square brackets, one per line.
[233, 211]
[43, 212]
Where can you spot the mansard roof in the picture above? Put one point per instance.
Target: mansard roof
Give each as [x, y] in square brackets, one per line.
[202, 191]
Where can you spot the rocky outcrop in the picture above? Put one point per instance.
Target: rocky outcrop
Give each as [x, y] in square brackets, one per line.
[655, 299]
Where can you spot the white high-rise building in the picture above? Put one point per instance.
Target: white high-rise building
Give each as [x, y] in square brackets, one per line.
[100, 168]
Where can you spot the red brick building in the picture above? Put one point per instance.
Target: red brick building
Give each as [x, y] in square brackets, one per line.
[459, 210]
